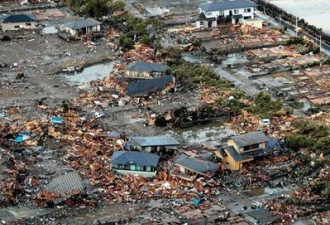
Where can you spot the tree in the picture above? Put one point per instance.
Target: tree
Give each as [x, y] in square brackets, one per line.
[96, 8]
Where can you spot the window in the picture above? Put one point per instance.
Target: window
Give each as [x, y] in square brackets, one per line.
[251, 147]
[247, 10]
[28, 24]
[16, 26]
[236, 11]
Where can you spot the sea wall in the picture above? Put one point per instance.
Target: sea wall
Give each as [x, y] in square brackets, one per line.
[306, 29]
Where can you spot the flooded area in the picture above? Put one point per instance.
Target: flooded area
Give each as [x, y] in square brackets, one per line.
[89, 74]
[315, 12]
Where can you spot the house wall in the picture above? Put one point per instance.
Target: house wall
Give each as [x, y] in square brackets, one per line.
[253, 23]
[230, 163]
[18, 26]
[225, 13]
[138, 74]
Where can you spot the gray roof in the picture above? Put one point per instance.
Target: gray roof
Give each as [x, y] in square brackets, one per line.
[65, 185]
[154, 141]
[196, 165]
[79, 24]
[246, 155]
[225, 5]
[250, 139]
[149, 86]
[134, 158]
[17, 18]
[146, 67]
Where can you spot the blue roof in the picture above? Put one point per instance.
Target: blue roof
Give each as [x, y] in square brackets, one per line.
[134, 158]
[16, 18]
[149, 86]
[250, 139]
[196, 165]
[146, 67]
[154, 141]
[225, 5]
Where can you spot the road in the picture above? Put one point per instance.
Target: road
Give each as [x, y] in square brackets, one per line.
[240, 82]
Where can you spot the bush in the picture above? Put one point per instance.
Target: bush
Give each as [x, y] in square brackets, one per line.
[264, 106]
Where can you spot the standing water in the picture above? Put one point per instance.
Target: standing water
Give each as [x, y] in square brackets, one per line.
[315, 12]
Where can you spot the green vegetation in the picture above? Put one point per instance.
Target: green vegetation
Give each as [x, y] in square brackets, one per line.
[312, 136]
[133, 30]
[191, 75]
[295, 41]
[95, 8]
[264, 106]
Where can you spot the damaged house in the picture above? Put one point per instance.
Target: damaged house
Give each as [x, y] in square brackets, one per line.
[63, 187]
[18, 21]
[81, 27]
[161, 85]
[188, 168]
[130, 162]
[153, 143]
[145, 70]
[243, 148]
[211, 12]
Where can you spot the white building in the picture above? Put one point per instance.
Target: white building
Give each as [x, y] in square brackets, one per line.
[81, 27]
[18, 21]
[236, 10]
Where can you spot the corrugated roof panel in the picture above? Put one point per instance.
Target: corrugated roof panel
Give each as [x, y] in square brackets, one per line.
[155, 141]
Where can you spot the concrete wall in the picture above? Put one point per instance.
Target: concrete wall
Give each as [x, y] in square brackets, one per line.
[18, 26]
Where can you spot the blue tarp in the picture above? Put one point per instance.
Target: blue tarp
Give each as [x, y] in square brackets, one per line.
[57, 120]
[22, 137]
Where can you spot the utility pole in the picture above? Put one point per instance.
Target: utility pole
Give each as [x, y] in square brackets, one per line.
[296, 26]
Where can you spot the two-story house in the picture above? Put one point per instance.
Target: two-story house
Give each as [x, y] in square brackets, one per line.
[241, 149]
[211, 12]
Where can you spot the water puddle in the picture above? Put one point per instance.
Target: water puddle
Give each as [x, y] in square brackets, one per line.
[88, 74]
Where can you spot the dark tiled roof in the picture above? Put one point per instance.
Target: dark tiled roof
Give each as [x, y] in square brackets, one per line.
[197, 165]
[250, 139]
[272, 144]
[134, 158]
[79, 24]
[149, 86]
[202, 17]
[154, 141]
[16, 18]
[243, 156]
[65, 185]
[225, 5]
[146, 67]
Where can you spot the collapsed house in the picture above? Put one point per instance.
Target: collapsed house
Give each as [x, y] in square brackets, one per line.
[18, 21]
[161, 85]
[241, 149]
[63, 187]
[81, 27]
[141, 163]
[188, 168]
[211, 12]
[145, 70]
[153, 143]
